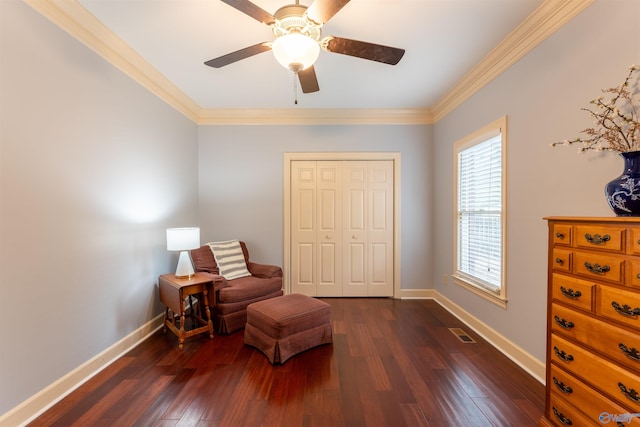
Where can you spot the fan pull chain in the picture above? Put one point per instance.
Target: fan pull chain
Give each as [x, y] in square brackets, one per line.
[295, 88]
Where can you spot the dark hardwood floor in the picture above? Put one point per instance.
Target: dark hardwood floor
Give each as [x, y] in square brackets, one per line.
[392, 363]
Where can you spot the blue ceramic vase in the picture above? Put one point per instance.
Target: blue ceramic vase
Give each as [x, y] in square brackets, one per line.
[623, 193]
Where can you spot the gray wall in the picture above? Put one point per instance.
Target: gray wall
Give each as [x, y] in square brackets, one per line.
[542, 95]
[242, 183]
[93, 169]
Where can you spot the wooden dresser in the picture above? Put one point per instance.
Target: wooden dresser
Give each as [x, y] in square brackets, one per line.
[593, 324]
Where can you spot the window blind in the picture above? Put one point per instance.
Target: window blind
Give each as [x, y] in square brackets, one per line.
[480, 213]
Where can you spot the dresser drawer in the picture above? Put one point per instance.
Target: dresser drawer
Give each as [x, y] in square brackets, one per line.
[600, 237]
[633, 279]
[617, 343]
[562, 414]
[562, 234]
[573, 291]
[562, 260]
[634, 241]
[613, 380]
[618, 304]
[599, 266]
[594, 405]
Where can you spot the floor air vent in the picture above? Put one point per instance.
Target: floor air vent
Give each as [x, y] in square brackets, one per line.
[462, 335]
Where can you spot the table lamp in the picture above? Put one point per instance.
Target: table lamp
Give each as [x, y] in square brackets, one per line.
[183, 239]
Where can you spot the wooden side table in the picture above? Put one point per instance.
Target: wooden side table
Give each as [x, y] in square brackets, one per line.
[173, 292]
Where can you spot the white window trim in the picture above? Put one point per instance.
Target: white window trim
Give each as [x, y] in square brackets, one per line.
[488, 131]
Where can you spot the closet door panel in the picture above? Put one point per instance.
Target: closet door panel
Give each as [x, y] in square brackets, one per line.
[355, 223]
[380, 228]
[327, 269]
[305, 264]
[303, 227]
[355, 271]
[356, 206]
[329, 228]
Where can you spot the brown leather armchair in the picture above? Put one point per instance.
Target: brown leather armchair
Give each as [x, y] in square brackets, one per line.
[229, 311]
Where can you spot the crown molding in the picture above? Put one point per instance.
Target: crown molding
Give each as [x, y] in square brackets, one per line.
[315, 116]
[77, 21]
[550, 16]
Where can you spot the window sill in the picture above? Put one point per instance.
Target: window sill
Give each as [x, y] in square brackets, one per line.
[487, 295]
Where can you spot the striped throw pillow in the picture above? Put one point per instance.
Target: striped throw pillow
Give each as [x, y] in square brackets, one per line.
[230, 259]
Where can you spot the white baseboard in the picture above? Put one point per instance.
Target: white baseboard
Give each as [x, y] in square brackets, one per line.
[526, 361]
[46, 398]
[418, 294]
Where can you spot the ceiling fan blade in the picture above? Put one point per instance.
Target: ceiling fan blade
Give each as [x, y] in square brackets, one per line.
[321, 11]
[248, 8]
[308, 80]
[232, 57]
[364, 50]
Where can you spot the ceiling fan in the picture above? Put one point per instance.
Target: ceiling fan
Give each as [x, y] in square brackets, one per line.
[298, 31]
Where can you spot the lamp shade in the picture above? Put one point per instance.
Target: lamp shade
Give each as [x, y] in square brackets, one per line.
[295, 51]
[183, 239]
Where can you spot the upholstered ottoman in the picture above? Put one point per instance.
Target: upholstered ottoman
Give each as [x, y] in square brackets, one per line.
[284, 326]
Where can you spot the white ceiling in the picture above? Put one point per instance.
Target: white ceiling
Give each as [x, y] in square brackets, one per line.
[443, 39]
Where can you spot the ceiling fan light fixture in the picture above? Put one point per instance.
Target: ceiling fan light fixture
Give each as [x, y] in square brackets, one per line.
[295, 51]
[298, 39]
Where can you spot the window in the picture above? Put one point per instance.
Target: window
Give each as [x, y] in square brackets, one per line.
[479, 209]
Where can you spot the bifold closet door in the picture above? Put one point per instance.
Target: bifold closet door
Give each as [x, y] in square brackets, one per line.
[368, 228]
[316, 228]
[342, 228]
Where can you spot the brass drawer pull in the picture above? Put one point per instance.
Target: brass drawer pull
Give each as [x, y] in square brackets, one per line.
[625, 309]
[597, 268]
[570, 293]
[597, 239]
[562, 387]
[632, 353]
[560, 235]
[631, 394]
[559, 261]
[563, 355]
[563, 323]
[561, 418]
